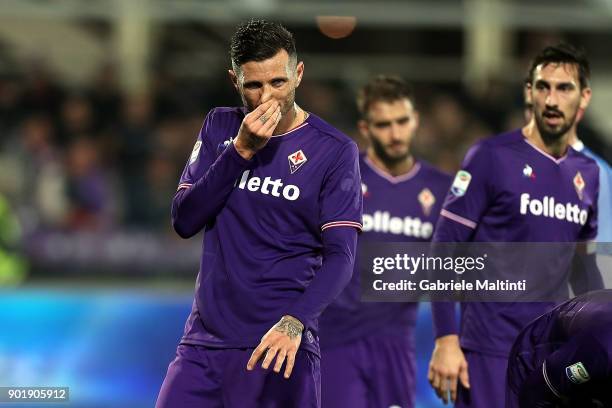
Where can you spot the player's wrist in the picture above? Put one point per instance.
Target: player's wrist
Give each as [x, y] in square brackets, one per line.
[449, 340]
[243, 149]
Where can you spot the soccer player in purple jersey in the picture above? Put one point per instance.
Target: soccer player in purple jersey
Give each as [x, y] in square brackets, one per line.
[527, 185]
[277, 192]
[564, 358]
[367, 349]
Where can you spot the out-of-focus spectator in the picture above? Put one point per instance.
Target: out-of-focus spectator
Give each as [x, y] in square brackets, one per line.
[161, 183]
[90, 194]
[76, 118]
[447, 131]
[105, 97]
[135, 144]
[41, 94]
[10, 103]
[33, 176]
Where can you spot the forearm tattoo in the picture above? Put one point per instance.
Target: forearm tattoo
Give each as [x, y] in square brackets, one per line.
[254, 142]
[290, 326]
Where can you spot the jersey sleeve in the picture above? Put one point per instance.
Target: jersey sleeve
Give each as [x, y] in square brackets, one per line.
[468, 198]
[208, 178]
[589, 230]
[202, 155]
[340, 198]
[584, 358]
[465, 203]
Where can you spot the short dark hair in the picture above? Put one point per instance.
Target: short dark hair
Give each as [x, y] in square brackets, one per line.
[383, 88]
[258, 40]
[563, 53]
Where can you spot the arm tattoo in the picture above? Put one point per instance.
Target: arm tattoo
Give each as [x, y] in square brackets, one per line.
[290, 326]
[255, 143]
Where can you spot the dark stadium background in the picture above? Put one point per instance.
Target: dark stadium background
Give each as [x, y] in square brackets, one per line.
[100, 103]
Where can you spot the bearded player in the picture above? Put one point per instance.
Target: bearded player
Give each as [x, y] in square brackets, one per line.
[498, 196]
[368, 357]
[276, 191]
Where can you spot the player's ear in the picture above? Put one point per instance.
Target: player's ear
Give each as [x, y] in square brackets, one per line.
[233, 78]
[585, 97]
[362, 125]
[527, 94]
[416, 119]
[299, 72]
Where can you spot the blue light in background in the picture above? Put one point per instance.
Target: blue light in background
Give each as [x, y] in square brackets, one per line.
[112, 347]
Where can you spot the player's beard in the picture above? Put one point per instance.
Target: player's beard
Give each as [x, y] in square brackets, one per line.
[550, 134]
[388, 159]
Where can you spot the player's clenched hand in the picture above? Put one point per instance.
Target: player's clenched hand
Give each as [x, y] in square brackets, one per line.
[281, 341]
[446, 366]
[257, 128]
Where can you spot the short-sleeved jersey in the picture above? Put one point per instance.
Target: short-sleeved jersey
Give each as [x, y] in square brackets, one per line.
[576, 339]
[264, 246]
[508, 190]
[395, 209]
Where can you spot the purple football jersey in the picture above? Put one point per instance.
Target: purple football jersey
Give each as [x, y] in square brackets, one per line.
[508, 190]
[263, 246]
[566, 353]
[395, 209]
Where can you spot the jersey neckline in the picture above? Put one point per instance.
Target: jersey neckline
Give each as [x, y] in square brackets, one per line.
[393, 179]
[543, 153]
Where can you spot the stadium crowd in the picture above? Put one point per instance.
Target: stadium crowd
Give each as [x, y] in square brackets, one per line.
[92, 158]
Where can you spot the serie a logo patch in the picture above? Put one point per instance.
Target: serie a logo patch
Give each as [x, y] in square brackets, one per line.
[577, 373]
[461, 183]
[195, 152]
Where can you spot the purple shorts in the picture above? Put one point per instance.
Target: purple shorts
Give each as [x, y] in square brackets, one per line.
[377, 371]
[487, 382]
[204, 377]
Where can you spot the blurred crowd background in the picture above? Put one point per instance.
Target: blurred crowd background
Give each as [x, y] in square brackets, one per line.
[101, 101]
[100, 105]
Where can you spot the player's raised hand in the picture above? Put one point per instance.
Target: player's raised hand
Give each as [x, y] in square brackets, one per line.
[257, 128]
[447, 365]
[281, 341]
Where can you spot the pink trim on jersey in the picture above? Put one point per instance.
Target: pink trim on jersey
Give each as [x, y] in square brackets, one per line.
[332, 224]
[183, 185]
[548, 156]
[393, 179]
[458, 218]
[292, 130]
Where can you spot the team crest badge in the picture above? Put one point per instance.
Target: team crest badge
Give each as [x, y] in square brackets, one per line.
[579, 184]
[427, 200]
[461, 183]
[296, 160]
[577, 373]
